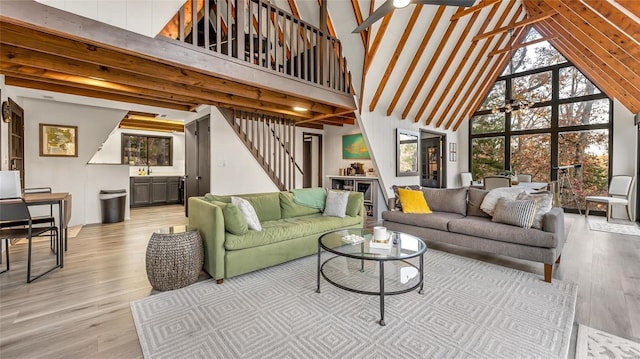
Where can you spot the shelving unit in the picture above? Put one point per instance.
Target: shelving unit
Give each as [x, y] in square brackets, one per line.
[367, 185]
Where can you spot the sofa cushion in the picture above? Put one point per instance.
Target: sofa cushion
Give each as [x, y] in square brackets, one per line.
[253, 222]
[336, 204]
[435, 220]
[515, 212]
[474, 200]
[266, 205]
[413, 201]
[452, 200]
[290, 228]
[484, 228]
[398, 205]
[289, 208]
[544, 203]
[490, 200]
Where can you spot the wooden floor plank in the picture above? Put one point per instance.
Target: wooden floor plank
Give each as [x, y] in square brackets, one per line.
[83, 310]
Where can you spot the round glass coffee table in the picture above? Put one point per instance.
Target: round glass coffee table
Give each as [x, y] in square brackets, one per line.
[360, 267]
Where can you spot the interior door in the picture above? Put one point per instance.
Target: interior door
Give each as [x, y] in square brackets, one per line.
[197, 160]
[433, 165]
[204, 157]
[16, 139]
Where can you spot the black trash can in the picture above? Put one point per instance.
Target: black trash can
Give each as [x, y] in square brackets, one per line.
[112, 203]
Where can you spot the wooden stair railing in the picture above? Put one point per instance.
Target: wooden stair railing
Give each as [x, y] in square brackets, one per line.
[269, 139]
[273, 39]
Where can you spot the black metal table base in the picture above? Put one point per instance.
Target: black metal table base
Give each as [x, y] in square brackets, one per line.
[381, 292]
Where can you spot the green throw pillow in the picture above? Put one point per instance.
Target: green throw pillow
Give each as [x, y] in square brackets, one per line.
[310, 197]
[354, 206]
[234, 221]
[266, 205]
[291, 209]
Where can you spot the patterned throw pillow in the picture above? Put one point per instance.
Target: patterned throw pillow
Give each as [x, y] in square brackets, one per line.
[413, 201]
[336, 204]
[249, 213]
[514, 212]
[544, 203]
[397, 198]
[491, 199]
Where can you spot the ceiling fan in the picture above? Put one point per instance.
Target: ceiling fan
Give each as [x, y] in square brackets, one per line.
[389, 5]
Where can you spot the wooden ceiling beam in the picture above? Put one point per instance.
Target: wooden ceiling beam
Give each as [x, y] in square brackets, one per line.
[603, 60]
[524, 44]
[72, 49]
[57, 78]
[633, 6]
[481, 5]
[525, 22]
[481, 62]
[151, 125]
[414, 61]
[427, 71]
[324, 116]
[598, 30]
[450, 60]
[373, 47]
[38, 85]
[358, 14]
[396, 55]
[613, 16]
[17, 59]
[461, 66]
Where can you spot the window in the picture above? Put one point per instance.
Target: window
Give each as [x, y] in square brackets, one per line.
[140, 150]
[568, 124]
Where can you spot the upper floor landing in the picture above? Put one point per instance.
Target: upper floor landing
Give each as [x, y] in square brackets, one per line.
[240, 54]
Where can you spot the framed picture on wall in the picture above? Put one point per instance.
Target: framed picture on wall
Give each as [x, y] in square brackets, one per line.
[58, 140]
[353, 147]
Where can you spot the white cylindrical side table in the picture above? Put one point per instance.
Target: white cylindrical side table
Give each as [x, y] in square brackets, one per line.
[174, 257]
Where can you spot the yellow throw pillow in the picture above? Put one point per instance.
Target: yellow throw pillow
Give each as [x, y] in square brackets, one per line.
[413, 201]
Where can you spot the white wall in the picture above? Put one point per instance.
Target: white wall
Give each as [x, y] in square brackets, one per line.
[111, 150]
[233, 168]
[73, 174]
[146, 17]
[623, 154]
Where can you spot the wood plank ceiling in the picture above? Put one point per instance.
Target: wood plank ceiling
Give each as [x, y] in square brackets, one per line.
[600, 37]
[39, 58]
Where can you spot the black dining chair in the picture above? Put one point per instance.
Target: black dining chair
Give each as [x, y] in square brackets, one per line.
[16, 211]
[45, 218]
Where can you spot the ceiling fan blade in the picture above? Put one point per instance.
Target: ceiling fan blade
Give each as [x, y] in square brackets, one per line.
[463, 3]
[380, 12]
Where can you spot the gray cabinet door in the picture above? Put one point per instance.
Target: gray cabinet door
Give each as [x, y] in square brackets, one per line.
[159, 190]
[140, 191]
[173, 189]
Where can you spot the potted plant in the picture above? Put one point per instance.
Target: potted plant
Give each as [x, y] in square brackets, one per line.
[513, 175]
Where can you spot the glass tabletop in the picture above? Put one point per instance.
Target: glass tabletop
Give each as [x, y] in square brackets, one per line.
[402, 245]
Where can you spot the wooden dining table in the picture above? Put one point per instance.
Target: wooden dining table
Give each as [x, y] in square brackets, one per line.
[63, 201]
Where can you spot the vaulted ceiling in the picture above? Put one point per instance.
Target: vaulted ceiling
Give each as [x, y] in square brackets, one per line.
[435, 64]
[423, 63]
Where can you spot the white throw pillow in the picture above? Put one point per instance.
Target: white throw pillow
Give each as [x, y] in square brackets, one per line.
[336, 204]
[489, 202]
[249, 213]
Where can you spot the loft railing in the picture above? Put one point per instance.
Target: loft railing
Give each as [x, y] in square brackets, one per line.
[268, 37]
[270, 140]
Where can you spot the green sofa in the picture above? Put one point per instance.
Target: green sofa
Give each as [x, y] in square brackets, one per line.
[289, 231]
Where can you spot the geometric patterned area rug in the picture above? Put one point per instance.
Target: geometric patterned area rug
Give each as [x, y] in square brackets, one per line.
[593, 343]
[469, 309]
[615, 226]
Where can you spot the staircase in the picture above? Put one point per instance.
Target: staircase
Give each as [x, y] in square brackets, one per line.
[270, 139]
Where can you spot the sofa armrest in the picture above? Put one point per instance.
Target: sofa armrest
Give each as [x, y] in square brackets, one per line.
[553, 221]
[208, 219]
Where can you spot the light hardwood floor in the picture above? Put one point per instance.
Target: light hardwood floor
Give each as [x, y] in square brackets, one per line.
[82, 311]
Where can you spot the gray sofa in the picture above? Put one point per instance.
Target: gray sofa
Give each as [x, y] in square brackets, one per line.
[457, 219]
